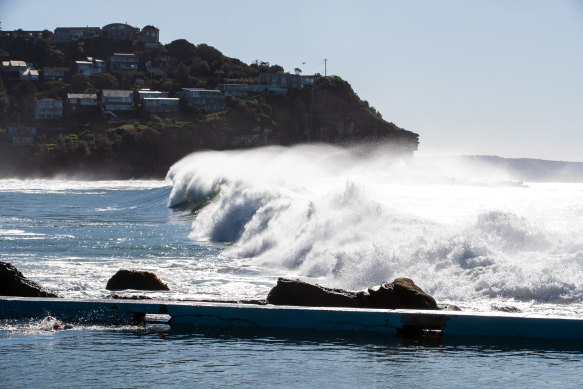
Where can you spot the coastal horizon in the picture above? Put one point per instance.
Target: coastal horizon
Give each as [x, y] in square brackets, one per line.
[319, 194]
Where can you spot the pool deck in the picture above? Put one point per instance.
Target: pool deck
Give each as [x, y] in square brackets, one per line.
[215, 314]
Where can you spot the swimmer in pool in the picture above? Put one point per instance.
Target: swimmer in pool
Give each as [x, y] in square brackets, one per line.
[50, 323]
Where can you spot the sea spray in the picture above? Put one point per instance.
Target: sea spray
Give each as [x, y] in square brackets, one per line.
[319, 212]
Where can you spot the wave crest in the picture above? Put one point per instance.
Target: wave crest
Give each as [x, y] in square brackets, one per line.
[320, 213]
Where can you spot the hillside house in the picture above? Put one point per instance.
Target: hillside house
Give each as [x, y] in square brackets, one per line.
[281, 83]
[280, 80]
[22, 33]
[18, 70]
[237, 90]
[81, 104]
[117, 100]
[150, 36]
[90, 66]
[66, 34]
[120, 31]
[120, 62]
[48, 109]
[147, 93]
[54, 74]
[161, 104]
[209, 99]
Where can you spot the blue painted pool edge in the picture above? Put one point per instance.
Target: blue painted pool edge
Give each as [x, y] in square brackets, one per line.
[204, 314]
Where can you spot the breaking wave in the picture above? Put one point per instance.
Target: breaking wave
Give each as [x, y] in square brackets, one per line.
[320, 213]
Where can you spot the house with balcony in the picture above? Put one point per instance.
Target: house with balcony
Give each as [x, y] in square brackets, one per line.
[48, 109]
[22, 33]
[67, 34]
[281, 83]
[13, 70]
[210, 100]
[90, 66]
[280, 80]
[147, 93]
[150, 36]
[117, 100]
[119, 31]
[81, 104]
[120, 62]
[161, 104]
[238, 90]
[54, 74]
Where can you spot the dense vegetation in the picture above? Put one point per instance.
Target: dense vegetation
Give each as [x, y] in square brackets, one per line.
[142, 144]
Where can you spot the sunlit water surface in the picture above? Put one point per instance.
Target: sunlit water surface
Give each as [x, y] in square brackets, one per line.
[482, 242]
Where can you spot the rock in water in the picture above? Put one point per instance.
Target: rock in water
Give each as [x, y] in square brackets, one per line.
[402, 293]
[13, 283]
[296, 292]
[134, 279]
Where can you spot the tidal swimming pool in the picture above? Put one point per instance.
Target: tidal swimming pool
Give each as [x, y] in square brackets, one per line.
[160, 356]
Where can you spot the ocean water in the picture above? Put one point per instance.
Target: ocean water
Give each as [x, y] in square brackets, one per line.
[226, 225]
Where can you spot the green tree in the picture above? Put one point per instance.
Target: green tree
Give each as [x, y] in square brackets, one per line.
[79, 83]
[3, 102]
[199, 68]
[209, 53]
[25, 96]
[54, 90]
[104, 81]
[181, 74]
[181, 49]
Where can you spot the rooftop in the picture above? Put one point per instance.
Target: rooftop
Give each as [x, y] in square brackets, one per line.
[13, 63]
[82, 96]
[117, 93]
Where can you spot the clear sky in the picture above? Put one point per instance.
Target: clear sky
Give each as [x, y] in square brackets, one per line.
[499, 77]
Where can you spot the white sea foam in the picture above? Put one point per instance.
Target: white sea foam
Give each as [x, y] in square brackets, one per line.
[74, 186]
[319, 213]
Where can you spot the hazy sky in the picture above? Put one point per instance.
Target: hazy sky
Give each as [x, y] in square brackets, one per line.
[501, 77]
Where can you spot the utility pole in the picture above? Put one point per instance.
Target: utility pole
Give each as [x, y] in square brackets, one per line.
[325, 67]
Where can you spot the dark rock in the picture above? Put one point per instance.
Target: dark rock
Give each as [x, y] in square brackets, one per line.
[506, 308]
[448, 307]
[120, 297]
[399, 294]
[402, 293]
[134, 279]
[13, 283]
[290, 292]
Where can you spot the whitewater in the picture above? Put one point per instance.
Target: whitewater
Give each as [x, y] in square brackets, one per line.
[226, 224]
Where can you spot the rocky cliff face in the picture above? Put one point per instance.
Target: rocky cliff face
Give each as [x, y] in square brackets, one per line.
[336, 115]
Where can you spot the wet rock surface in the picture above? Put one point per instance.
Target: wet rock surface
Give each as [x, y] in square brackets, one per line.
[135, 279]
[14, 283]
[296, 292]
[402, 293]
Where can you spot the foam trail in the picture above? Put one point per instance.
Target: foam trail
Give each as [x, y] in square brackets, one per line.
[319, 212]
